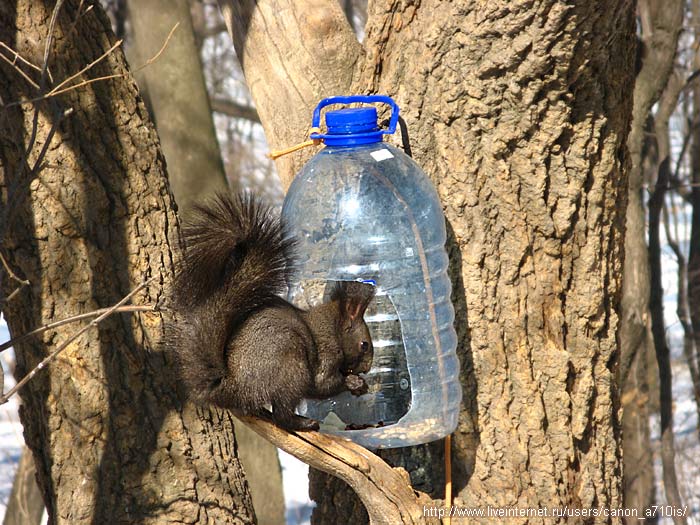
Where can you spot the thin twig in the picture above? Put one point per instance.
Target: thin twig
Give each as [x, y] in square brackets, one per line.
[65, 344]
[20, 57]
[79, 16]
[59, 89]
[11, 275]
[16, 67]
[134, 308]
[160, 52]
[82, 84]
[49, 43]
[85, 69]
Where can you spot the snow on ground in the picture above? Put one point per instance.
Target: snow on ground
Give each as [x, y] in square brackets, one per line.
[11, 440]
[295, 479]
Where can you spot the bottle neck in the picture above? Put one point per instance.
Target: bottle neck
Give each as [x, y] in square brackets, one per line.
[354, 139]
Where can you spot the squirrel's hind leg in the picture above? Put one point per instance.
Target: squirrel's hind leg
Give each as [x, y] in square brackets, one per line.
[285, 417]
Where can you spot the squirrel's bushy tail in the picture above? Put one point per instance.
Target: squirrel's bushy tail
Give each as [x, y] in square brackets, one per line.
[237, 259]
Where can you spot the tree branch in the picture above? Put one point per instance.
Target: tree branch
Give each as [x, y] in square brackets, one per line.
[11, 275]
[385, 491]
[234, 109]
[683, 307]
[663, 355]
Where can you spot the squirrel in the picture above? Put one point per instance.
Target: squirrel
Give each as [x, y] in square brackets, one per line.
[237, 343]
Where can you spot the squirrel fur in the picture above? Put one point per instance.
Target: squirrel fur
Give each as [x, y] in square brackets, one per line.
[237, 343]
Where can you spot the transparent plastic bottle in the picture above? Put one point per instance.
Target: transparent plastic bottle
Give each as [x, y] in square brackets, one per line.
[361, 209]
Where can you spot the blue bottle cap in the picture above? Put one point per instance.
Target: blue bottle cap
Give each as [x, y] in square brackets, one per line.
[354, 126]
[352, 120]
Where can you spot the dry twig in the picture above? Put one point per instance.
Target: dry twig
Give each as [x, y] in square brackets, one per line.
[11, 275]
[65, 344]
[135, 308]
[13, 62]
[60, 89]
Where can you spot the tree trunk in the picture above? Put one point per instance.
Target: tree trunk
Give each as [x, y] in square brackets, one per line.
[292, 54]
[178, 98]
[667, 105]
[519, 113]
[180, 107]
[88, 216]
[263, 473]
[534, 98]
[639, 479]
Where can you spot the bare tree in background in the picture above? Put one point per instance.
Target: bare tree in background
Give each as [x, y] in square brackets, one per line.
[178, 98]
[661, 23]
[693, 184]
[237, 122]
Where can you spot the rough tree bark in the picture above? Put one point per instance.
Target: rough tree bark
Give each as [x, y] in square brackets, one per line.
[112, 440]
[661, 22]
[519, 112]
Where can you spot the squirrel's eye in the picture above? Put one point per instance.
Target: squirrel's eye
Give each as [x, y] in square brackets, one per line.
[364, 346]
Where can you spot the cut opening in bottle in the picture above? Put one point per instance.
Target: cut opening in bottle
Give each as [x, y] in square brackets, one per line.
[388, 397]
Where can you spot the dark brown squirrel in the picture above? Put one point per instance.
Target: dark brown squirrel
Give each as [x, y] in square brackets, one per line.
[237, 343]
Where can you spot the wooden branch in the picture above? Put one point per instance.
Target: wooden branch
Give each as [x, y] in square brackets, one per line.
[13, 61]
[667, 104]
[234, 109]
[683, 305]
[661, 24]
[385, 491]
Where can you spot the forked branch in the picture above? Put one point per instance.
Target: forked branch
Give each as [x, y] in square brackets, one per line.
[386, 492]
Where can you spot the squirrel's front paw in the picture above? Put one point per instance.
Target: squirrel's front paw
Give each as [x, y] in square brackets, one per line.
[356, 385]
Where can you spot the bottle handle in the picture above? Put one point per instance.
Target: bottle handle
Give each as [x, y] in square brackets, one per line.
[365, 99]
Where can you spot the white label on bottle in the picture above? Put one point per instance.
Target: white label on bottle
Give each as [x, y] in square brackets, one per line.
[381, 154]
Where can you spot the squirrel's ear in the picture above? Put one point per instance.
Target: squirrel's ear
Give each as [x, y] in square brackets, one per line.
[354, 298]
